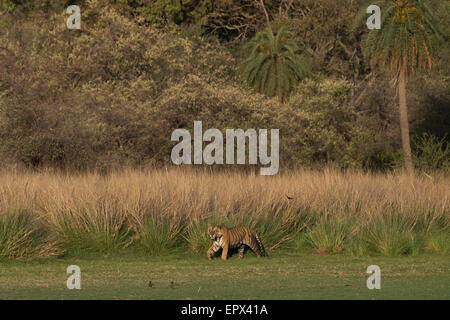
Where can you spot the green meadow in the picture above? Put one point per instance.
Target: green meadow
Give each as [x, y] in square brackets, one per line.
[279, 276]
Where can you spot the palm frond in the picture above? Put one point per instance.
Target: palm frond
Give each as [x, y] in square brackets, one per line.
[406, 39]
[274, 64]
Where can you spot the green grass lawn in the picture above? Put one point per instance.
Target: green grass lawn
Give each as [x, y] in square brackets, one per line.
[280, 276]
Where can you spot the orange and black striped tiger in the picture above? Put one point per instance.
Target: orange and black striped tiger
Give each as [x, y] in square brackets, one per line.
[236, 237]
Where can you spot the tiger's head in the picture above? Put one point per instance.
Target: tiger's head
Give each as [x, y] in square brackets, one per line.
[215, 232]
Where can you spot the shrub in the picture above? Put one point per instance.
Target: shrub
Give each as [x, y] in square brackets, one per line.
[196, 235]
[327, 129]
[391, 235]
[438, 242]
[93, 228]
[430, 153]
[20, 238]
[155, 237]
[328, 234]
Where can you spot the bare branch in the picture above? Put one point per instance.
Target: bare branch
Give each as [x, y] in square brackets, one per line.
[265, 12]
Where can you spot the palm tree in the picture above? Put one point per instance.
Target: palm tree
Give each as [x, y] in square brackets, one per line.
[401, 47]
[274, 65]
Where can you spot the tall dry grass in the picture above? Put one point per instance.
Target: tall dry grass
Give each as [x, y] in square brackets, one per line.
[157, 210]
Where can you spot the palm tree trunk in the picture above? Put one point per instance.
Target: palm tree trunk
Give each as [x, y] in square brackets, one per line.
[404, 125]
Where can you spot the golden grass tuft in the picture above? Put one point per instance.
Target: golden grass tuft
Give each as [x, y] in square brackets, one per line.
[109, 212]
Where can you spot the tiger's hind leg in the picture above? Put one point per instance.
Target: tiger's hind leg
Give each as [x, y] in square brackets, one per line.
[241, 251]
[260, 246]
[254, 246]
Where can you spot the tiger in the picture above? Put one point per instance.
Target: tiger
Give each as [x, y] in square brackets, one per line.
[236, 237]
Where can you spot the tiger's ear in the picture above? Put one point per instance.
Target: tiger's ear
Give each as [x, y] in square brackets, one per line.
[209, 227]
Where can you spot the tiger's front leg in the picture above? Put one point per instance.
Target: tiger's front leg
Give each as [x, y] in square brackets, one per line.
[213, 249]
[225, 252]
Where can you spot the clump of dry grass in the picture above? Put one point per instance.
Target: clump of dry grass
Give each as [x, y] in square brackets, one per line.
[160, 209]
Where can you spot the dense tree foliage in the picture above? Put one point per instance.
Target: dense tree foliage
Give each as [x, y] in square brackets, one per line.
[110, 94]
